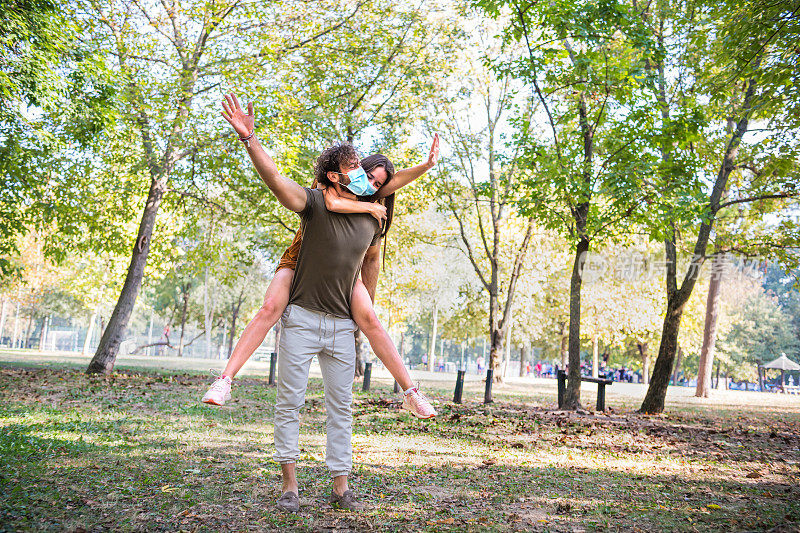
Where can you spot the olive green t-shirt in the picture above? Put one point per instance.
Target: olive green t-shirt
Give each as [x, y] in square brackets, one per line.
[330, 256]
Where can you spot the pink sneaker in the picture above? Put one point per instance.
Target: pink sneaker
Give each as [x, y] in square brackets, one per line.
[417, 404]
[219, 392]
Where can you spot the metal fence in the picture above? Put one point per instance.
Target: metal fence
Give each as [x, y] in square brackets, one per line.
[149, 342]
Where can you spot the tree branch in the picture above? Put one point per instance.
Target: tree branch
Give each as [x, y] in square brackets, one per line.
[178, 42]
[757, 198]
[199, 198]
[518, 261]
[536, 83]
[154, 23]
[322, 33]
[216, 19]
[465, 240]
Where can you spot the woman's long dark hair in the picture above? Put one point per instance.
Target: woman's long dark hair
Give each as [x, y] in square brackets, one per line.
[370, 163]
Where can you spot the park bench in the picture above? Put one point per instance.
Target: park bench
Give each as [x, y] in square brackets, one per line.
[601, 389]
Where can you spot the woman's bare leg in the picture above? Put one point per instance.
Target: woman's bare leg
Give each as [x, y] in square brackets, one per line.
[366, 319]
[275, 301]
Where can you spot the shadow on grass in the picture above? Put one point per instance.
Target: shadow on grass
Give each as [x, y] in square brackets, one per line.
[106, 460]
[110, 487]
[563, 497]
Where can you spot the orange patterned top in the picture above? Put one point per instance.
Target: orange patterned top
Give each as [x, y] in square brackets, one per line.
[289, 257]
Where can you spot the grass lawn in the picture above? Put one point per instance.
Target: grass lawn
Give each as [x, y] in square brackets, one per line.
[139, 452]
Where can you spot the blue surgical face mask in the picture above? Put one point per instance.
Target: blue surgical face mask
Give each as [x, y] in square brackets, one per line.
[359, 183]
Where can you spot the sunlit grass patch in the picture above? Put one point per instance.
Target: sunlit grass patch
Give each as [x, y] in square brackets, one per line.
[139, 452]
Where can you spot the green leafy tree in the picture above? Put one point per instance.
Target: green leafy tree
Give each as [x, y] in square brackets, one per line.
[735, 54]
[580, 62]
[622, 302]
[55, 99]
[785, 286]
[171, 56]
[493, 236]
[760, 332]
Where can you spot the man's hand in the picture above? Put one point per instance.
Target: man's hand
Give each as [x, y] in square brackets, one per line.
[242, 122]
[289, 194]
[433, 156]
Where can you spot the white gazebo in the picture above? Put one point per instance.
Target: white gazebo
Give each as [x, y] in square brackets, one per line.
[783, 364]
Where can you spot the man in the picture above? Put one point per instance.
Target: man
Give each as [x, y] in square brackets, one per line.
[317, 321]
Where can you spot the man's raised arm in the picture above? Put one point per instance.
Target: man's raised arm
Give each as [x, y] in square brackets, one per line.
[289, 194]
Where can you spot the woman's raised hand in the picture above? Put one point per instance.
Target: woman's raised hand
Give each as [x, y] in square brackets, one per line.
[242, 122]
[433, 156]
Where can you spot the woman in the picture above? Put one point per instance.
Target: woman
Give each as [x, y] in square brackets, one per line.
[383, 178]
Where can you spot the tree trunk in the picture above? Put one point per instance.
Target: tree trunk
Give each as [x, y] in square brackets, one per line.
[572, 396]
[595, 357]
[28, 332]
[522, 359]
[106, 354]
[580, 214]
[716, 381]
[496, 335]
[224, 342]
[208, 312]
[15, 337]
[710, 329]
[653, 402]
[90, 332]
[564, 344]
[3, 320]
[183, 318]
[506, 360]
[644, 355]
[43, 334]
[432, 352]
[678, 361]
[509, 325]
[150, 330]
[496, 354]
[234, 316]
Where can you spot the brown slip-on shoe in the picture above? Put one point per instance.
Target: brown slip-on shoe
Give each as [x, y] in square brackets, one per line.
[289, 502]
[346, 502]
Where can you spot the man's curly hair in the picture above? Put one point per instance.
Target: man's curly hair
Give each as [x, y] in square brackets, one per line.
[331, 160]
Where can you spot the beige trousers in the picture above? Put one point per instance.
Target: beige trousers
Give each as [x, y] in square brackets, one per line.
[304, 334]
